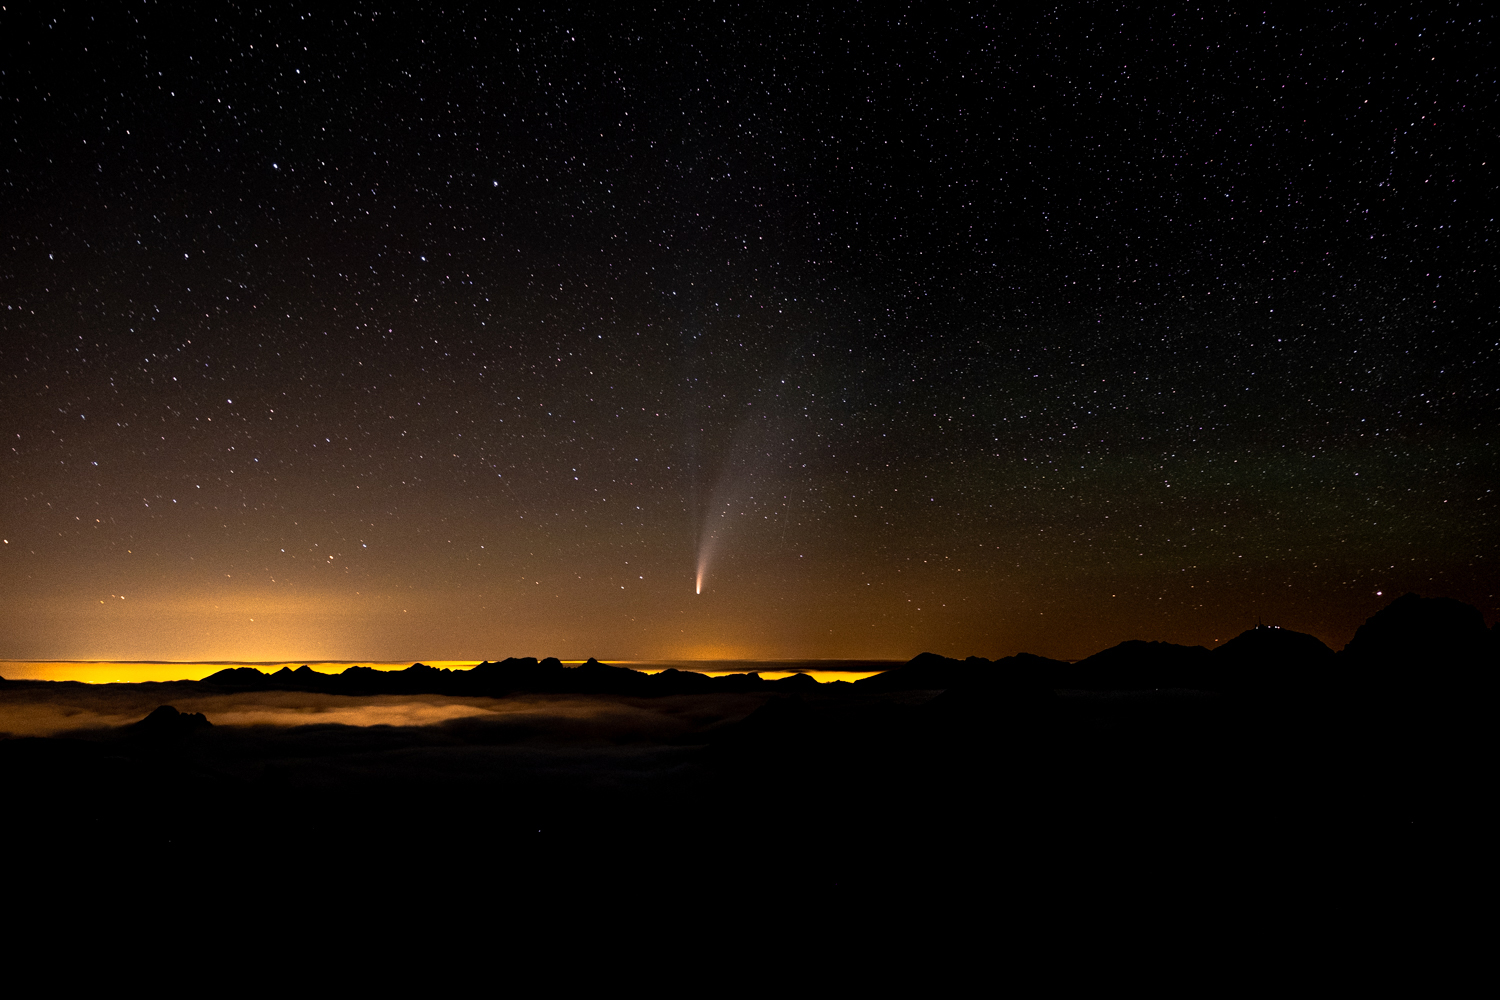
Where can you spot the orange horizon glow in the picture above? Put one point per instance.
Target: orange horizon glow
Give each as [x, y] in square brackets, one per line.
[822, 615]
[166, 671]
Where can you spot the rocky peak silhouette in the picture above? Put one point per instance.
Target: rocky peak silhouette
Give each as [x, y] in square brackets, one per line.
[168, 719]
[1266, 657]
[1139, 665]
[1422, 641]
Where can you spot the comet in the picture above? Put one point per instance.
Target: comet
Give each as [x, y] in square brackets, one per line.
[705, 554]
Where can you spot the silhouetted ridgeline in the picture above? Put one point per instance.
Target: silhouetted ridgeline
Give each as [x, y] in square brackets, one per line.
[1417, 641]
[524, 675]
[1179, 780]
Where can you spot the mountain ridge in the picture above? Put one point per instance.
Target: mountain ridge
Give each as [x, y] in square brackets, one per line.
[1412, 641]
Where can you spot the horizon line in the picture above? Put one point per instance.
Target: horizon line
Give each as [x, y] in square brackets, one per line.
[560, 659]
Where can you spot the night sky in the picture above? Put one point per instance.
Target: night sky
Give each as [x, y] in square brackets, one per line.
[396, 335]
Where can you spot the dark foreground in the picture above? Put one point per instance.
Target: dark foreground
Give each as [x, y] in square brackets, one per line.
[1292, 794]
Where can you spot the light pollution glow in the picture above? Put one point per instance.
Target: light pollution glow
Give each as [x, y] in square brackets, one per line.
[143, 671]
[566, 614]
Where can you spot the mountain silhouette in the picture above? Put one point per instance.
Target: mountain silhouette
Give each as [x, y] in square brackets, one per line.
[1149, 771]
[924, 672]
[167, 721]
[1266, 657]
[515, 675]
[1135, 665]
[1413, 640]
[1422, 642]
[165, 730]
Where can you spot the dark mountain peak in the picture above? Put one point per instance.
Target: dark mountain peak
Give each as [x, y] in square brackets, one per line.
[552, 663]
[1028, 671]
[509, 663]
[798, 681]
[1003, 692]
[1270, 658]
[929, 671]
[925, 671]
[1141, 651]
[237, 676]
[1138, 664]
[594, 672]
[303, 678]
[167, 721]
[1421, 640]
[1031, 660]
[1271, 640]
[166, 714]
[1137, 647]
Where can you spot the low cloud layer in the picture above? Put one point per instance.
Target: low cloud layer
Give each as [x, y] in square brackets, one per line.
[58, 710]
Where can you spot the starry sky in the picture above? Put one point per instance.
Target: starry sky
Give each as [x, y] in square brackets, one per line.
[400, 335]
